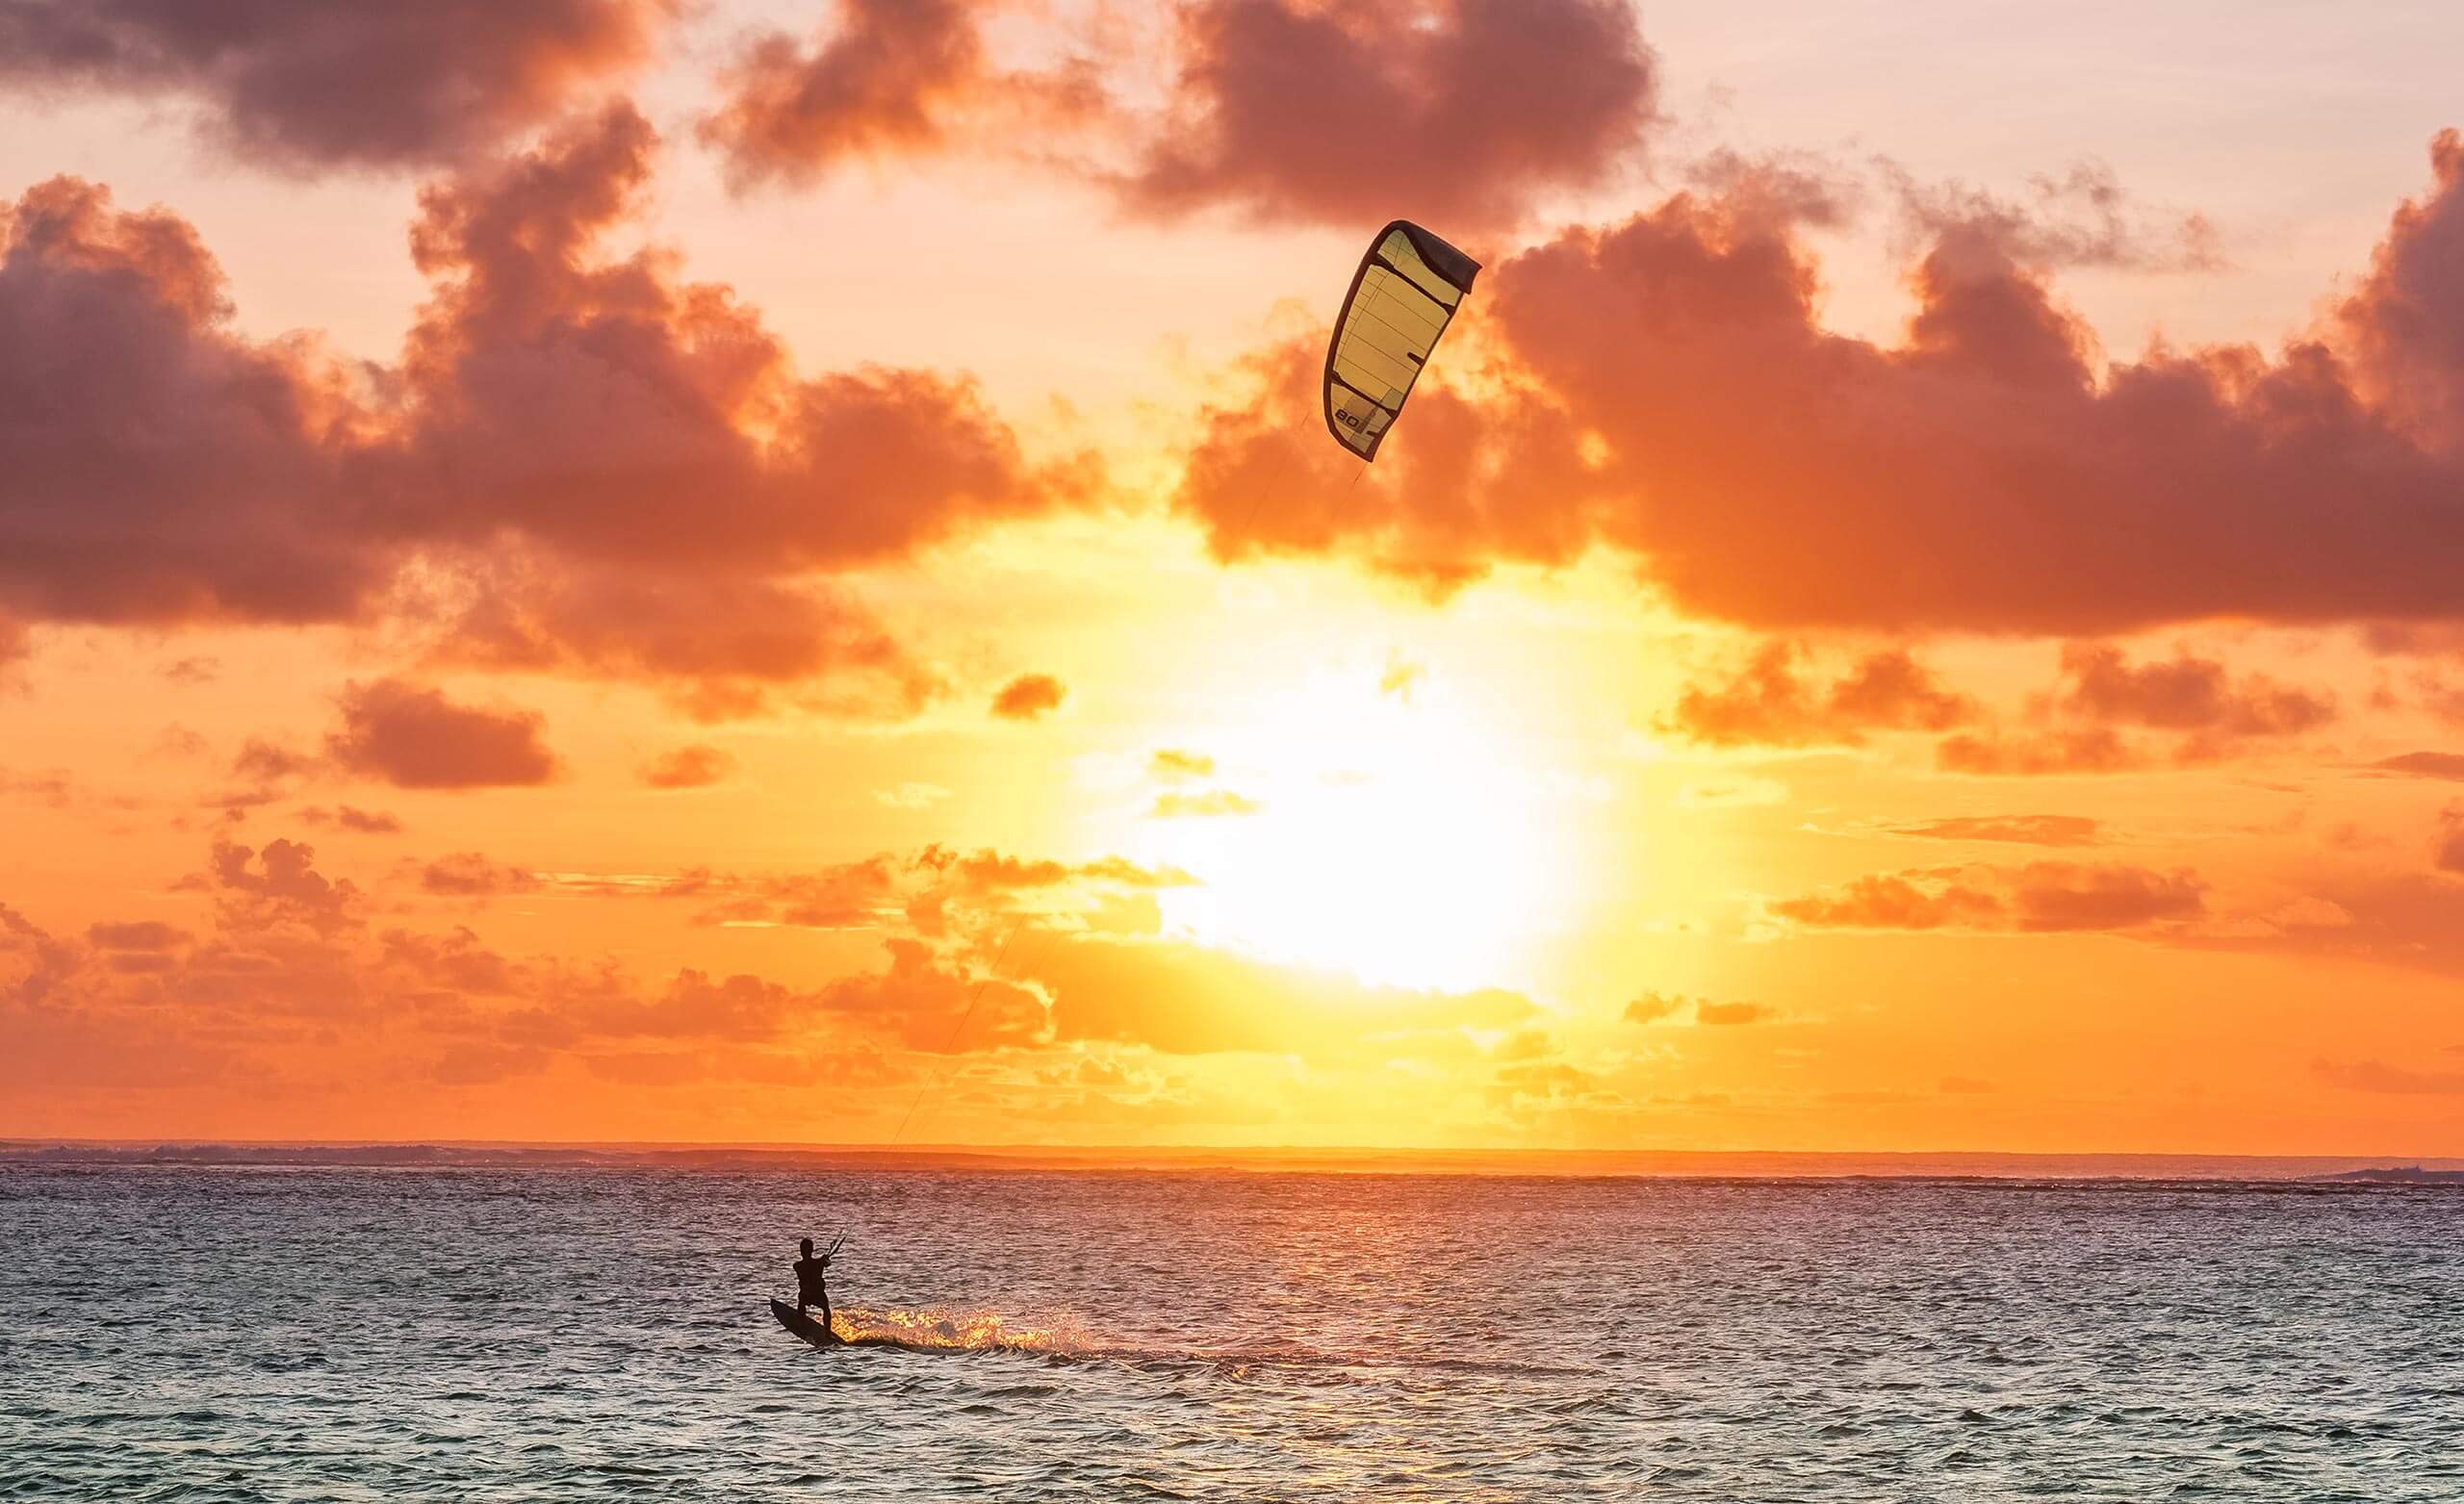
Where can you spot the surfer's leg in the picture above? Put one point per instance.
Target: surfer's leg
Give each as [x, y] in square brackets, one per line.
[825, 1314]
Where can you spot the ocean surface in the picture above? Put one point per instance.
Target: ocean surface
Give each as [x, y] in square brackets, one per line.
[248, 1333]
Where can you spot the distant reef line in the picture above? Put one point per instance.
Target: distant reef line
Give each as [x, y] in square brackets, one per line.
[1694, 1165]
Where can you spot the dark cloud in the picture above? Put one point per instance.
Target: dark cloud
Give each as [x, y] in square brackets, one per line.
[1768, 703]
[688, 767]
[1029, 696]
[413, 737]
[1468, 111]
[116, 323]
[298, 84]
[583, 464]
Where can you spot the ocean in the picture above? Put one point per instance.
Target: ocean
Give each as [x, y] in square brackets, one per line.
[252, 1332]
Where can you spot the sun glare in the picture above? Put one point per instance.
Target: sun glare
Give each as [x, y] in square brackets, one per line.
[1395, 835]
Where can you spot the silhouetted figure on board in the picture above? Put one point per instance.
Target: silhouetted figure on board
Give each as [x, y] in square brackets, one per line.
[812, 1280]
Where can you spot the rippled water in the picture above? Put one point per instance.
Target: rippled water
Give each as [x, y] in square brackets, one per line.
[317, 1334]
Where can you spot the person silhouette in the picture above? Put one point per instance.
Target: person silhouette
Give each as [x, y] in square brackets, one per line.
[812, 1280]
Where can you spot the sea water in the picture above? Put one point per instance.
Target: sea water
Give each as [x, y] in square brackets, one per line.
[589, 1333]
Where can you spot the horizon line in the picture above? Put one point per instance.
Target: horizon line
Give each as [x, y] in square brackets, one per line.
[1671, 1164]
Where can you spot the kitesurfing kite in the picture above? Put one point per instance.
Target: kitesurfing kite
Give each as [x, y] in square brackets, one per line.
[1401, 299]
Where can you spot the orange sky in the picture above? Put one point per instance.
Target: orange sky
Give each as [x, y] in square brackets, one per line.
[601, 570]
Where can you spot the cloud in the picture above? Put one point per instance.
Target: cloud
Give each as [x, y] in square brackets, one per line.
[1467, 110]
[575, 399]
[289, 984]
[2449, 854]
[2033, 754]
[2185, 694]
[1979, 474]
[1029, 696]
[2081, 218]
[925, 890]
[895, 79]
[256, 891]
[51, 787]
[359, 821]
[115, 324]
[1550, 1083]
[145, 934]
[2209, 713]
[1732, 792]
[2448, 766]
[471, 875]
[2036, 898]
[1171, 765]
[582, 463]
[925, 1004]
[1768, 703]
[2375, 1076]
[1733, 1014]
[1654, 1008]
[2021, 829]
[302, 85]
[1181, 999]
[413, 737]
[267, 762]
[1202, 804]
[2406, 319]
[688, 767]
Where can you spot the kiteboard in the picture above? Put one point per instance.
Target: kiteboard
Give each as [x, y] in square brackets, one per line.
[804, 1326]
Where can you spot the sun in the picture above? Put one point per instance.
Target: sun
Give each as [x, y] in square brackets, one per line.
[1389, 831]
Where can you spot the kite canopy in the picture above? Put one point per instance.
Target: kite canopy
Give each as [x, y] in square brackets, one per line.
[1401, 299]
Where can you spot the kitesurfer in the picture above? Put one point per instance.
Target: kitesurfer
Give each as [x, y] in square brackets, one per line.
[813, 1273]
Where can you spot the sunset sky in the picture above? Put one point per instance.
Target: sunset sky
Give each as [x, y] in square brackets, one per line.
[597, 570]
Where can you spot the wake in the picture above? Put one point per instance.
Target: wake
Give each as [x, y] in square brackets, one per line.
[950, 1332]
